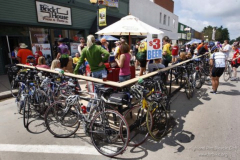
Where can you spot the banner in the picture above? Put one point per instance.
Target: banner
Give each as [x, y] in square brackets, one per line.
[154, 46]
[189, 36]
[74, 48]
[102, 17]
[45, 48]
[50, 13]
[111, 3]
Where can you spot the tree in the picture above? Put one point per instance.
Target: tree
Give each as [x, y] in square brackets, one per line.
[221, 33]
[231, 42]
[238, 39]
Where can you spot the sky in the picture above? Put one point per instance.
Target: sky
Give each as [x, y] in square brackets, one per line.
[200, 13]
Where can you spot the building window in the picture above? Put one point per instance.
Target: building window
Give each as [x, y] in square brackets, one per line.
[181, 28]
[168, 21]
[160, 19]
[164, 19]
[173, 23]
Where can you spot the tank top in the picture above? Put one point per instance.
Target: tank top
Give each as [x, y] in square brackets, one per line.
[125, 70]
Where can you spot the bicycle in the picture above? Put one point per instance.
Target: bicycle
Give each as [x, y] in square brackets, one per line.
[101, 124]
[227, 74]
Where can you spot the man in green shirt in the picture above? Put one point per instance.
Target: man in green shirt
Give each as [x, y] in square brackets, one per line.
[96, 56]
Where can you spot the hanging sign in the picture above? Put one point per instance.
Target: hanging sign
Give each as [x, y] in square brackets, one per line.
[188, 36]
[154, 46]
[50, 13]
[102, 17]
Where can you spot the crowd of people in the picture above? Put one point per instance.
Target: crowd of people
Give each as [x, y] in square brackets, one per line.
[96, 52]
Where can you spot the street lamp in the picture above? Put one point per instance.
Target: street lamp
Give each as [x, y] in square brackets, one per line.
[98, 2]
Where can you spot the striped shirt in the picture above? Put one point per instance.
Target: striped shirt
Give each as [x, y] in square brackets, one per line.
[219, 59]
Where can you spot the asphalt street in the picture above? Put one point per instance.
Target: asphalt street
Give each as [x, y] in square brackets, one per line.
[205, 127]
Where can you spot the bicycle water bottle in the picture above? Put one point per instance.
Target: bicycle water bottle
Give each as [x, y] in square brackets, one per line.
[84, 109]
[89, 106]
[140, 80]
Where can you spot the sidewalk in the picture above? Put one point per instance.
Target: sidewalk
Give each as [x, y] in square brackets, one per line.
[5, 87]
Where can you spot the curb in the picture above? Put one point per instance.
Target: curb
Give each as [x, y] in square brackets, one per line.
[7, 94]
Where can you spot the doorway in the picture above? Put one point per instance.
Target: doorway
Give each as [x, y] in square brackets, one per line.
[7, 44]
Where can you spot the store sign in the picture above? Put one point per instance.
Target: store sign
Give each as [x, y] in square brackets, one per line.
[111, 3]
[44, 48]
[49, 13]
[102, 17]
[184, 36]
[154, 46]
[74, 48]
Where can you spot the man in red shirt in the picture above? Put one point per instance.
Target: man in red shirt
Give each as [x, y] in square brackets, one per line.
[174, 53]
[23, 53]
[235, 60]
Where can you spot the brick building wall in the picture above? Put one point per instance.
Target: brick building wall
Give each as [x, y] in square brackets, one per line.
[167, 4]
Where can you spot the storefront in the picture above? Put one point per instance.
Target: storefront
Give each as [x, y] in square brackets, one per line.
[42, 23]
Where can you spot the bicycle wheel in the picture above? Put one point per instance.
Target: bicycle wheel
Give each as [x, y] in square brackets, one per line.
[106, 132]
[227, 74]
[160, 120]
[62, 121]
[136, 119]
[26, 111]
[198, 80]
[43, 102]
[188, 89]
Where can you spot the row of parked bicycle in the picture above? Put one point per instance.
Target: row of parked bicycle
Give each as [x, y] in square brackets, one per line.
[113, 118]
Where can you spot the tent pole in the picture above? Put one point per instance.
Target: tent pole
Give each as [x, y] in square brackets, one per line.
[129, 40]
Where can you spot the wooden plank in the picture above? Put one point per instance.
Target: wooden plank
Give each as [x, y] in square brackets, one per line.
[111, 83]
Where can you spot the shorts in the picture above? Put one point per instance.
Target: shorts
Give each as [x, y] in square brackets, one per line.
[217, 72]
[174, 56]
[143, 63]
[64, 62]
[236, 65]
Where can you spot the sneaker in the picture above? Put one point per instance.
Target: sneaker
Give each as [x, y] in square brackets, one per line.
[214, 92]
[233, 79]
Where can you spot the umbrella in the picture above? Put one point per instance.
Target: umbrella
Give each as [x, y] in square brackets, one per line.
[129, 25]
[110, 38]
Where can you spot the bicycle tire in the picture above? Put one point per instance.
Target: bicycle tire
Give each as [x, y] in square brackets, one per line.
[227, 74]
[105, 133]
[138, 132]
[198, 76]
[55, 124]
[160, 121]
[26, 112]
[188, 89]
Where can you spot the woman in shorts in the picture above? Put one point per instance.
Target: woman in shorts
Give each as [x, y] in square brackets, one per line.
[235, 60]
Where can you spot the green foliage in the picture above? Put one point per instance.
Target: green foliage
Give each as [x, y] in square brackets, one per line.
[221, 33]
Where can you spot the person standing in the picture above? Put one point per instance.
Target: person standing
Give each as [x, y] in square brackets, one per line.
[76, 58]
[174, 52]
[217, 61]
[142, 57]
[38, 54]
[81, 45]
[117, 43]
[14, 55]
[166, 58]
[63, 53]
[95, 55]
[203, 49]
[23, 53]
[124, 63]
[226, 49]
[235, 60]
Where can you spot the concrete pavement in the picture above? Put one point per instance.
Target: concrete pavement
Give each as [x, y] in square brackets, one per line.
[205, 127]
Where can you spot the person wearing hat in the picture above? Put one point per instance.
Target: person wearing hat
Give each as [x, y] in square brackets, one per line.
[23, 53]
[117, 43]
[63, 53]
[104, 44]
[30, 60]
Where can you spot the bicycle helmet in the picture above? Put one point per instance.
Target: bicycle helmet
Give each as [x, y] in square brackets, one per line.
[236, 43]
[72, 100]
